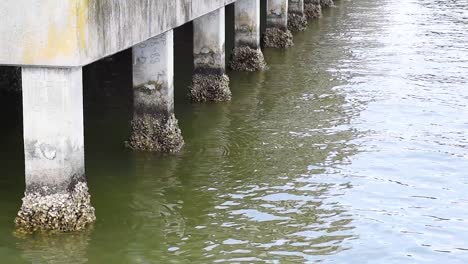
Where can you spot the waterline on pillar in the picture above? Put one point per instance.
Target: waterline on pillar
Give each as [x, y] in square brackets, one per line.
[277, 38]
[210, 87]
[313, 10]
[65, 211]
[297, 22]
[245, 58]
[154, 133]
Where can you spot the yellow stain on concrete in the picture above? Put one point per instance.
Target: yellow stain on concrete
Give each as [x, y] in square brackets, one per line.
[82, 22]
[62, 41]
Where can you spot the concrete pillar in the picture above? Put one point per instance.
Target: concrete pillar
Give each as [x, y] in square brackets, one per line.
[247, 55]
[326, 3]
[210, 82]
[277, 34]
[312, 9]
[297, 20]
[56, 196]
[154, 126]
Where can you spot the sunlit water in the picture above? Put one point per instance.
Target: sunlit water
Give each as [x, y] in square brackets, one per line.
[351, 148]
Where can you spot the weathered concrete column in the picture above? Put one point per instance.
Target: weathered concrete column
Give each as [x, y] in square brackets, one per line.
[154, 126]
[297, 20]
[247, 55]
[326, 3]
[56, 196]
[312, 9]
[210, 82]
[277, 34]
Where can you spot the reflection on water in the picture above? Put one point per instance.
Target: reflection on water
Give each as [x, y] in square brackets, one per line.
[352, 147]
[54, 248]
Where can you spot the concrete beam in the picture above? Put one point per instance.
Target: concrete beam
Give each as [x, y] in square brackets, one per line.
[56, 195]
[154, 126]
[57, 33]
[210, 82]
[247, 55]
[277, 34]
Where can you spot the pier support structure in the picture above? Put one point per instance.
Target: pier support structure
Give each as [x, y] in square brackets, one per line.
[247, 55]
[312, 9]
[277, 34]
[56, 196]
[154, 126]
[210, 82]
[297, 21]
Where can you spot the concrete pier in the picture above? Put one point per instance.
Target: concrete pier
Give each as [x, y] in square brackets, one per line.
[312, 9]
[210, 82]
[56, 196]
[277, 34]
[49, 42]
[297, 21]
[247, 55]
[154, 126]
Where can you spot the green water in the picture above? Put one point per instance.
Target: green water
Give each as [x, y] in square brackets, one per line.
[351, 148]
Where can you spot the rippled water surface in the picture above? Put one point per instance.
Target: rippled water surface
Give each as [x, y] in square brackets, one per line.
[351, 148]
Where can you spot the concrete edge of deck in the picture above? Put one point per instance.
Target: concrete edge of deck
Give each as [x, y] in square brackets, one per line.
[56, 33]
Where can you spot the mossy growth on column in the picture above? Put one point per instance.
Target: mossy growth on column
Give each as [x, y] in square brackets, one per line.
[154, 133]
[209, 82]
[297, 20]
[56, 197]
[247, 55]
[65, 211]
[154, 126]
[277, 34]
[210, 87]
[312, 9]
[277, 38]
[245, 58]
